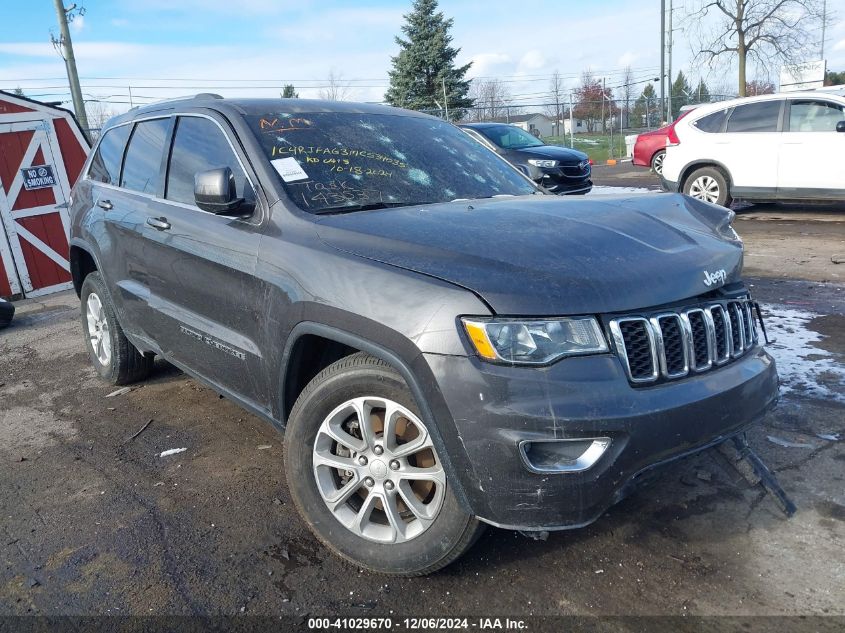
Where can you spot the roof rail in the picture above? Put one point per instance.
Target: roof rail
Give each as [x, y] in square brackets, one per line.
[200, 95]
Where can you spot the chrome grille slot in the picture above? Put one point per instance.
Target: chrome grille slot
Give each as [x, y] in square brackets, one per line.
[673, 344]
[703, 339]
[722, 333]
[737, 329]
[635, 342]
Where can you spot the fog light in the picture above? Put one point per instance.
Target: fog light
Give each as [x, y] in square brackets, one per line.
[563, 456]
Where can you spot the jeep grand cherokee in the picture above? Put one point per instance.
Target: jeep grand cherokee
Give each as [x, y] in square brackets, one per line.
[444, 345]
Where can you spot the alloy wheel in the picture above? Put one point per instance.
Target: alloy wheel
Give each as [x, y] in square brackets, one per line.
[705, 188]
[657, 164]
[377, 470]
[98, 329]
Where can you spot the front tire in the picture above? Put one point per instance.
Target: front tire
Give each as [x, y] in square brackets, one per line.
[365, 475]
[708, 184]
[111, 353]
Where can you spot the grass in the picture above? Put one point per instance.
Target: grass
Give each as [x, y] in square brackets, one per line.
[596, 146]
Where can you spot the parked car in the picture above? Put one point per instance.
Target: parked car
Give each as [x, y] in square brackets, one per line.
[761, 149]
[650, 147]
[7, 311]
[445, 345]
[559, 169]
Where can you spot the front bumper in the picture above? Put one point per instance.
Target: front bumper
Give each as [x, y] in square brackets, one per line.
[495, 408]
[557, 180]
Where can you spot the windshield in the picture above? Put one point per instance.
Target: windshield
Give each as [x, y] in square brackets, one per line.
[510, 137]
[343, 161]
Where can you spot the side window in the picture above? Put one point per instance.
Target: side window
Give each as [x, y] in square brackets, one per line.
[755, 117]
[143, 156]
[712, 123]
[200, 145]
[105, 166]
[814, 116]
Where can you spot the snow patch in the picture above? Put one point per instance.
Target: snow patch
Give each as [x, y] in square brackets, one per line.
[803, 368]
[172, 451]
[601, 190]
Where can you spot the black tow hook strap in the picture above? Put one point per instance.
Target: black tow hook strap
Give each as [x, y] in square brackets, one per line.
[756, 305]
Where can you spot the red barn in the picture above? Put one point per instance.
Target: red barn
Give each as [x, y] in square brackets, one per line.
[42, 151]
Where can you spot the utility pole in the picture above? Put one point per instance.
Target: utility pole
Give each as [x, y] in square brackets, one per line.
[66, 50]
[603, 84]
[662, 56]
[571, 124]
[671, 37]
[824, 24]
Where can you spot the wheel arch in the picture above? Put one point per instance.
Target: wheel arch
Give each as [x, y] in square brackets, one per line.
[82, 262]
[415, 373]
[698, 164]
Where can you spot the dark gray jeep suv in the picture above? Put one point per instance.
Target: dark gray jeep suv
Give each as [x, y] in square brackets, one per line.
[444, 345]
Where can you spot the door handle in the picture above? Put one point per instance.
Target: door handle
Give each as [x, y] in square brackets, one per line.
[105, 204]
[160, 224]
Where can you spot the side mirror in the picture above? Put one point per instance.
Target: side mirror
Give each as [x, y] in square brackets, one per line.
[840, 127]
[214, 191]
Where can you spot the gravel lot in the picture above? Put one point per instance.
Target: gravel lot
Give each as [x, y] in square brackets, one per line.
[95, 523]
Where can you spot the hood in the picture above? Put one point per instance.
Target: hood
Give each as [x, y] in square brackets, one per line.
[548, 255]
[564, 155]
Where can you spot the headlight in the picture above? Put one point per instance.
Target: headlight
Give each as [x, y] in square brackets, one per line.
[542, 163]
[534, 342]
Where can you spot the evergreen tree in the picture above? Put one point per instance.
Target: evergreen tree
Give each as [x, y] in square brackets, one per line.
[18, 91]
[702, 93]
[289, 92]
[426, 62]
[834, 79]
[681, 92]
[646, 108]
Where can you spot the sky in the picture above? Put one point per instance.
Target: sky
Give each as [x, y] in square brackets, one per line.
[157, 49]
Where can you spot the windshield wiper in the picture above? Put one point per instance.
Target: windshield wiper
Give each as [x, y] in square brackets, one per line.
[351, 208]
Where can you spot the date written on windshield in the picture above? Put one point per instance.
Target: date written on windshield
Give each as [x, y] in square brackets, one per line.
[337, 192]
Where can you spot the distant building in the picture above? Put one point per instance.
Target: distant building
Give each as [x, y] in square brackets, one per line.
[536, 123]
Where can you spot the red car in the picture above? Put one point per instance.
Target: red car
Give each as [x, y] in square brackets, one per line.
[650, 148]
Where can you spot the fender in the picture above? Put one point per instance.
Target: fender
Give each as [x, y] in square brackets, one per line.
[702, 162]
[416, 374]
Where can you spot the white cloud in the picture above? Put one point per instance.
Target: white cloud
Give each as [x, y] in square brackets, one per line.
[485, 64]
[532, 60]
[77, 24]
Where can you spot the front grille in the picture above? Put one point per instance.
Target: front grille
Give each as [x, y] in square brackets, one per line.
[575, 171]
[673, 344]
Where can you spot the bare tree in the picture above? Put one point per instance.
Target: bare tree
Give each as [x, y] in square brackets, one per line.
[759, 30]
[99, 113]
[491, 99]
[336, 89]
[556, 93]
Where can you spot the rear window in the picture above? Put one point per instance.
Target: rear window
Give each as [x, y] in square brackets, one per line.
[755, 117]
[105, 166]
[814, 116]
[331, 161]
[712, 123]
[142, 165]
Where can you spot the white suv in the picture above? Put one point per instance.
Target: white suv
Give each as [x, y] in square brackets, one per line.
[773, 147]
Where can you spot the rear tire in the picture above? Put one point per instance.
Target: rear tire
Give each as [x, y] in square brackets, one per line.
[338, 419]
[708, 184]
[657, 162]
[111, 353]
